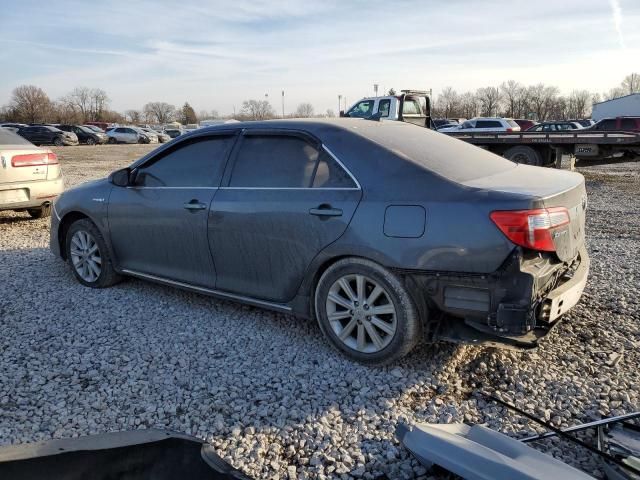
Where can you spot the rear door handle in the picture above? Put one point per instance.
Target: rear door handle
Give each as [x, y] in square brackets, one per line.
[326, 211]
[194, 205]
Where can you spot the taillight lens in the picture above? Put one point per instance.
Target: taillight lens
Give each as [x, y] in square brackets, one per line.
[531, 228]
[509, 130]
[34, 159]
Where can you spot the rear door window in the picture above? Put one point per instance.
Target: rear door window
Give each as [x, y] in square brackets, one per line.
[196, 163]
[329, 174]
[274, 161]
[628, 124]
[383, 107]
[488, 124]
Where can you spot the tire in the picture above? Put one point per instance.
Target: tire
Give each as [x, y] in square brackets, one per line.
[41, 212]
[112, 141]
[58, 142]
[79, 243]
[402, 328]
[525, 155]
[91, 141]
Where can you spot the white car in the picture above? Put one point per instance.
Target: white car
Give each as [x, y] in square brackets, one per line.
[30, 177]
[484, 124]
[126, 135]
[153, 136]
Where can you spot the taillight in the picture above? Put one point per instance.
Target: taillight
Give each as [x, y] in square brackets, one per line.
[34, 159]
[509, 130]
[531, 228]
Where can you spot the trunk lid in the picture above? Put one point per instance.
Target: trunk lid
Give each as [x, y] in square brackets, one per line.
[544, 188]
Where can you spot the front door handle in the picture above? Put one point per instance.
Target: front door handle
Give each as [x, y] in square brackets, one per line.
[194, 205]
[325, 210]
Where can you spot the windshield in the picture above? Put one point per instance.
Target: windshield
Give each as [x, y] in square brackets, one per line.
[7, 137]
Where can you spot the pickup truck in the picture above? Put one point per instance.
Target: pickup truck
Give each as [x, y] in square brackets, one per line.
[553, 149]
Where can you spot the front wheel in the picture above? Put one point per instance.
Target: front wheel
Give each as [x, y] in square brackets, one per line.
[58, 142]
[365, 311]
[88, 255]
[91, 141]
[112, 141]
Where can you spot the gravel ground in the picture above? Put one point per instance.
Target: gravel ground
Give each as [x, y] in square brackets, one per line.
[266, 389]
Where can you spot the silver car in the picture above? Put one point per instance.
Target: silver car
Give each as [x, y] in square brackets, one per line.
[30, 177]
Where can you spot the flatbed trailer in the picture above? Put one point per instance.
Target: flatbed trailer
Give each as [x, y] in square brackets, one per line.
[552, 148]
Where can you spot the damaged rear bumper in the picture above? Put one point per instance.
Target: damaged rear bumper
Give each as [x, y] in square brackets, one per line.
[513, 307]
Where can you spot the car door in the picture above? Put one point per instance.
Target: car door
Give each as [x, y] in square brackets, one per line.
[285, 199]
[158, 224]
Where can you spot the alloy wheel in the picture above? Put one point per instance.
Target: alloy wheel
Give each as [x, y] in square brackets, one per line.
[85, 256]
[361, 313]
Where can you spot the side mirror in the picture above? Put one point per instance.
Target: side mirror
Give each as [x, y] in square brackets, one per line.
[121, 178]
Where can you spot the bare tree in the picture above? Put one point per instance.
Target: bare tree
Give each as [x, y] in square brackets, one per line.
[30, 104]
[448, 102]
[257, 109]
[631, 83]
[134, 116]
[391, 92]
[512, 94]
[541, 100]
[304, 110]
[99, 103]
[79, 100]
[578, 105]
[469, 105]
[489, 100]
[211, 115]
[616, 92]
[160, 112]
[330, 113]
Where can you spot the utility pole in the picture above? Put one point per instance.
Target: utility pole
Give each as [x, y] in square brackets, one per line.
[375, 89]
[339, 103]
[282, 103]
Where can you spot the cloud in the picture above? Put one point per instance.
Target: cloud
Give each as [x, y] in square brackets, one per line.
[616, 13]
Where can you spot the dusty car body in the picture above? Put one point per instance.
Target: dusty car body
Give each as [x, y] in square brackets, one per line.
[373, 228]
[30, 177]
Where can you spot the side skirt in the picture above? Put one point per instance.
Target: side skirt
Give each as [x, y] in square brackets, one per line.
[279, 307]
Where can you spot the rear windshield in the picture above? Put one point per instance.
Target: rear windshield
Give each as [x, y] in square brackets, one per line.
[513, 123]
[448, 157]
[7, 137]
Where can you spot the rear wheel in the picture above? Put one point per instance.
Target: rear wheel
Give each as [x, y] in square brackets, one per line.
[41, 212]
[87, 253]
[366, 312]
[526, 155]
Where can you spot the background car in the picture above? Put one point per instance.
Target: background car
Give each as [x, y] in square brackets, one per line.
[373, 228]
[47, 135]
[584, 122]
[30, 177]
[126, 135]
[485, 124]
[555, 127]
[85, 135]
[153, 136]
[173, 132]
[628, 124]
[524, 123]
[95, 128]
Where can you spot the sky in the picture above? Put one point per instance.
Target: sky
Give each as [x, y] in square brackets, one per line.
[215, 54]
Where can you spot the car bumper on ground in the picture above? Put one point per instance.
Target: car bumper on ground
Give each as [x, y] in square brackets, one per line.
[515, 306]
[30, 194]
[69, 142]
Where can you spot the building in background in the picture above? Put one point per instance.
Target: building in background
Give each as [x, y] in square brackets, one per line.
[627, 106]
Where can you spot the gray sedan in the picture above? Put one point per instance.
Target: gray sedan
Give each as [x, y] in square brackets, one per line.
[385, 232]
